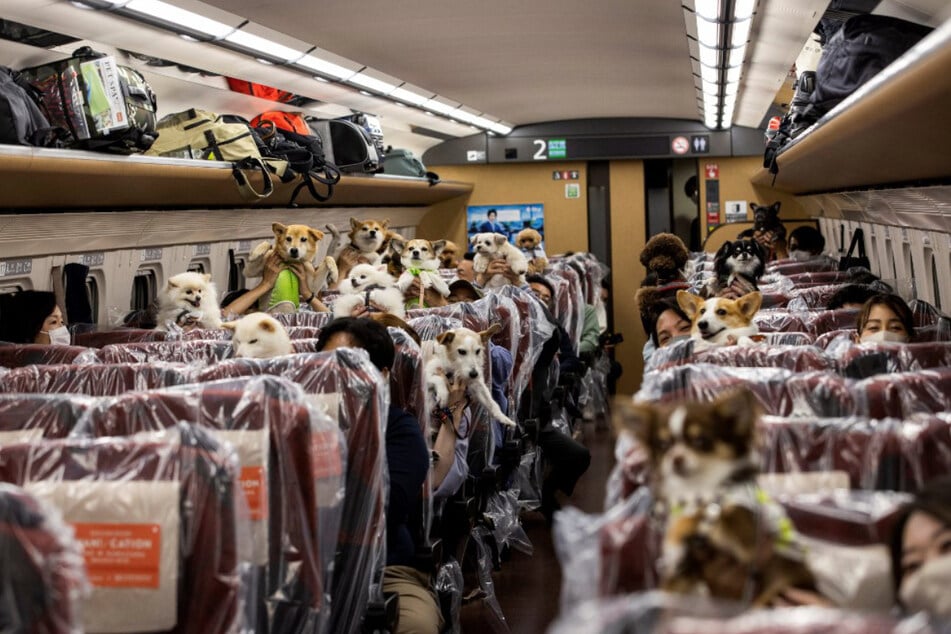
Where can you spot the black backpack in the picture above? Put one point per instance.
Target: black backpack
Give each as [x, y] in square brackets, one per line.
[21, 120]
[859, 50]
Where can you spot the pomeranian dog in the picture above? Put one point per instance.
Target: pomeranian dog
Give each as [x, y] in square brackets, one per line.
[738, 265]
[293, 243]
[365, 240]
[420, 259]
[719, 321]
[449, 256]
[460, 354]
[369, 286]
[188, 300]
[258, 336]
[529, 242]
[723, 537]
[495, 246]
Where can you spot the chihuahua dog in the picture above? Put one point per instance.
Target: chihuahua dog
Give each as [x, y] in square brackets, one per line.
[460, 354]
[369, 286]
[722, 536]
[720, 321]
[293, 243]
[188, 300]
[529, 242]
[495, 246]
[420, 259]
[739, 265]
[258, 336]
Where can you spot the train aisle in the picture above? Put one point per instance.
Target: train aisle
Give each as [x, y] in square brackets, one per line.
[528, 588]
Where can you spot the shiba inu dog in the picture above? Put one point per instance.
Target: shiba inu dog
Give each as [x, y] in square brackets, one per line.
[723, 536]
[529, 242]
[495, 246]
[420, 259]
[449, 256]
[293, 243]
[460, 354]
[738, 264]
[720, 321]
[188, 300]
[258, 336]
[369, 286]
[366, 239]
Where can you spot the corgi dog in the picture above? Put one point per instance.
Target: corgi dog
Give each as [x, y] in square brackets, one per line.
[460, 354]
[719, 321]
[738, 264]
[366, 239]
[369, 286]
[420, 259]
[723, 537]
[293, 243]
[258, 336]
[495, 246]
[529, 242]
[449, 256]
[188, 300]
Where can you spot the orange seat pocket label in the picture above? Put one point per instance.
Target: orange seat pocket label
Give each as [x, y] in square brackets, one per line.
[254, 485]
[121, 555]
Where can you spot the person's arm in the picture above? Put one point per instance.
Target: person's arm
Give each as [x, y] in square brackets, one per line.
[272, 267]
[306, 295]
[447, 436]
[589, 332]
[497, 267]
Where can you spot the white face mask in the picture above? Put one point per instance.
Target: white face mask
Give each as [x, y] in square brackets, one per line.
[885, 336]
[927, 589]
[58, 336]
[801, 256]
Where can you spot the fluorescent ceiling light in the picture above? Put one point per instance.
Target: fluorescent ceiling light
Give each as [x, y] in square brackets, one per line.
[710, 87]
[180, 17]
[482, 122]
[736, 56]
[733, 74]
[500, 128]
[438, 106]
[372, 83]
[709, 56]
[710, 74]
[731, 88]
[708, 33]
[741, 33]
[709, 9]
[408, 96]
[262, 45]
[729, 101]
[743, 9]
[710, 121]
[462, 115]
[323, 66]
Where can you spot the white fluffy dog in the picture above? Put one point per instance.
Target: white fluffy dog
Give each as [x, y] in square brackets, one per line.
[370, 286]
[495, 246]
[460, 354]
[259, 336]
[188, 299]
[420, 258]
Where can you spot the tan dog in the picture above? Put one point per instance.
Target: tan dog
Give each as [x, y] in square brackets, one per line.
[294, 244]
[449, 257]
[258, 336]
[529, 242]
[420, 259]
[719, 321]
[366, 238]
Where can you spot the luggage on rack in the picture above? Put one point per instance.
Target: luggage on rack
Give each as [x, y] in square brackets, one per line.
[403, 163]
[21, 120]
[347, 145]
[102, 105]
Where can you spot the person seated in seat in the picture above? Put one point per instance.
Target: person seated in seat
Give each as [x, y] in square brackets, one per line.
[671, 324]
[921, 551]
[805, 243]
[32, 317]
[465, 270]
[885, 318]
[407, 459]
[242, 302]
[851, 296]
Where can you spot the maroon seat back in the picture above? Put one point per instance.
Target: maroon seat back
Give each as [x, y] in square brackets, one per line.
[100, 338]
[796, 358]
[96, 379]
[171, 500]
[824, 321]
[18, 355]
[25, 417]
[905, 394]
[193, 352]
[305, 318]
[778, 320]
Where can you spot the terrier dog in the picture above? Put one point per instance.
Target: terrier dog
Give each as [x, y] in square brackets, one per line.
[293, 243]
[739, 265]
[720, 321]
[460, 354]
[723, 537]
[188, 300]
[529, 242]
[258, 336]
[420, 259]
[495, 246]
[369, 286]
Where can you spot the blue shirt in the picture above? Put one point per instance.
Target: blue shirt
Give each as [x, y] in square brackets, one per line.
[407, 459]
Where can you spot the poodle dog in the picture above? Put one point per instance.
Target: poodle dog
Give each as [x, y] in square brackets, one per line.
[664, 256]
[530, 242]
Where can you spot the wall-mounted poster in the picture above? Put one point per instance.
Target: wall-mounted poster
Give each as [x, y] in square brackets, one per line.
[505, 219]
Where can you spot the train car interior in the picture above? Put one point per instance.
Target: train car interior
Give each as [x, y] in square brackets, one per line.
[505, 317]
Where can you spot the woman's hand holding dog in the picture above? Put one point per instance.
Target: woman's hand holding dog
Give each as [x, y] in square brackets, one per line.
[431, 297]
[497, 267]
[297, 268]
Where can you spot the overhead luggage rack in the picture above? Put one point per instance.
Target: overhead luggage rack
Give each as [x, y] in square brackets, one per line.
[891, 131]
[76, 180]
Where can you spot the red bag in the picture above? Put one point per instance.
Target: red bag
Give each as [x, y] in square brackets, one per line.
[289, 121]
[259, 90]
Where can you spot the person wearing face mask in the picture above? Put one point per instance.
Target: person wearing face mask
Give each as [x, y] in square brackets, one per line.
[805, 243]
[885, 318]
[33, 317]
[921, 552]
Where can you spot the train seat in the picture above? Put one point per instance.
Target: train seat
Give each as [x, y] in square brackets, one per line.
[94, 379]
[42, 576]
[819, 322]
[100, 338]
[900, 357]
[814, 297]
[26, 417]
[196, 352]
[778, 320]
[568, 300]
[305, 318]
[819, 278]
[291, 457]
[793, 267]
[170, 499]
[18, 355]
[795, 358]
[904, 394]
